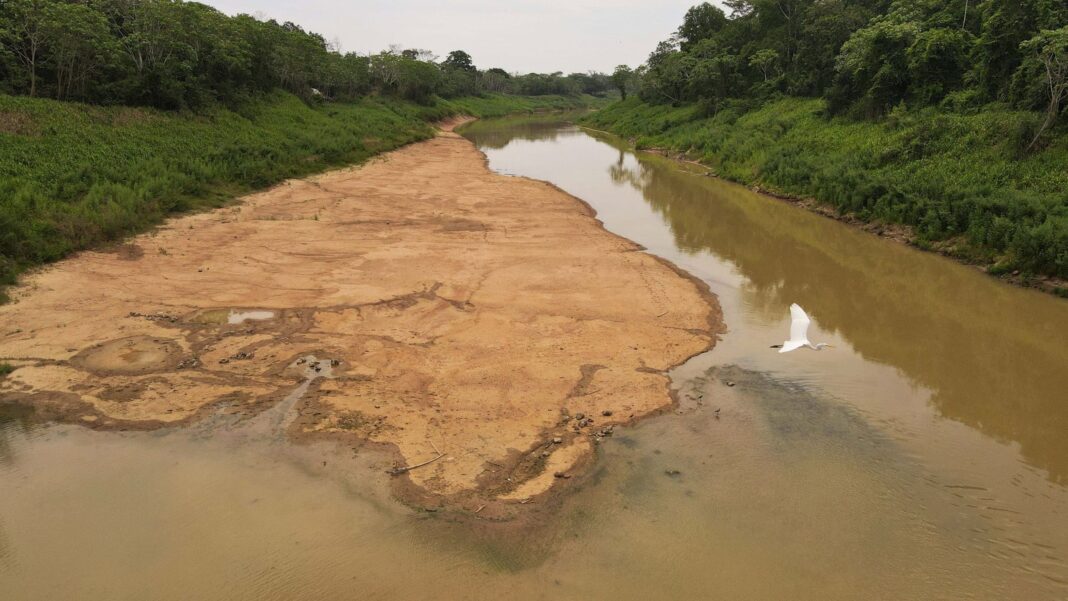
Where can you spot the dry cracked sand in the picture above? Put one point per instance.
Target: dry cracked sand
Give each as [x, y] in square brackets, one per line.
[466, 320]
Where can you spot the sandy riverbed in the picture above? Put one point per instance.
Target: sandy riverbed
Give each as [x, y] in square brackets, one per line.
[456, 312]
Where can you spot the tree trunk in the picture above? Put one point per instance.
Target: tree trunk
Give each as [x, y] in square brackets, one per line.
[1051, 116]
[1058, 88]
[33, 67]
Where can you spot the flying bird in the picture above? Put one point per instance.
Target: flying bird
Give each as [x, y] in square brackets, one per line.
[799, 322]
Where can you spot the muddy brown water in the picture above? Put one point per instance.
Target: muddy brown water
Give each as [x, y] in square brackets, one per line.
[926, 457]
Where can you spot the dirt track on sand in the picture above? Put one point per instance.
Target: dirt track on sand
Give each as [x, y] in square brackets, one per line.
[458, 310]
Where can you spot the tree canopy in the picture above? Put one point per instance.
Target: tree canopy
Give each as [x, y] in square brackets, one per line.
[174, 54]
[864, 56]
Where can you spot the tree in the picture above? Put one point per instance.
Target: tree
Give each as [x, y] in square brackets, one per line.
[826, 26]
[79, 41]
[765, 60]
[937, 60]
[497, 80]
[713, 74]
[417, 80]
[460, 60]
[24, 31]
[1050, 49]
[621, 79]
[701, 22]
[873, 65]
[417, 54]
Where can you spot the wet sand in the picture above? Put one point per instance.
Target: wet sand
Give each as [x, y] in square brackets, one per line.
[462, 319]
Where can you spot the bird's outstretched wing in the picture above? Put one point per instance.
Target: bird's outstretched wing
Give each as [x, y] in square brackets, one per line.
[798, 329]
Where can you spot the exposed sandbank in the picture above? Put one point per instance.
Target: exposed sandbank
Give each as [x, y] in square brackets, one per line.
[466, 312]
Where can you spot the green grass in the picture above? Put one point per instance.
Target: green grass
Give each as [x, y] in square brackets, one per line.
[6, 369]
[961, 181]
[498, 106]
[73, 176]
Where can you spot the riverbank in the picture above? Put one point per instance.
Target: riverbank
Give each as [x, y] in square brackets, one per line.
[74, 176]
[486, 328]
[956, 184]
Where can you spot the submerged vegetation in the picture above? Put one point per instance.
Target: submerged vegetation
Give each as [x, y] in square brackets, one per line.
[941, 116]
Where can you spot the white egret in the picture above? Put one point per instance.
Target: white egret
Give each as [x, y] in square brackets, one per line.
[799, 322]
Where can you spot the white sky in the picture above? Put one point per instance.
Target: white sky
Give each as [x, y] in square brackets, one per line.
[517, 35]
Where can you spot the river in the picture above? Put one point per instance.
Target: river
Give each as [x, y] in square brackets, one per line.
[924, 457]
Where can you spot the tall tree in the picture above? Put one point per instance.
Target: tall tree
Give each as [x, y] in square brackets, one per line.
[79, 41]
[701, 22]
[24, 31]
[1050, 49]
[621, 79]
[458, 59]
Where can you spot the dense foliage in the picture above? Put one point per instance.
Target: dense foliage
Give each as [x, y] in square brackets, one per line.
[173, 54]
[941, 115]
[865, 56]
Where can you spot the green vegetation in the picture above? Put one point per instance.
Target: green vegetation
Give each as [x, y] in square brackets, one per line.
[185, 107]
[943, 116]
[75, 175]
[496, 105]
[955, 177]
[175, 55]
[6, 369]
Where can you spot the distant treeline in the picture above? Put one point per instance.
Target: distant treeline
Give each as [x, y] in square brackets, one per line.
[865, 57]
[172, 54]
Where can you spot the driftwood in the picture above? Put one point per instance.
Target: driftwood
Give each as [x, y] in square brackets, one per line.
[397, 471]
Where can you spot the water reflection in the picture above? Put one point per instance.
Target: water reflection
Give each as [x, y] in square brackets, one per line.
[994, 357]
[498, 133]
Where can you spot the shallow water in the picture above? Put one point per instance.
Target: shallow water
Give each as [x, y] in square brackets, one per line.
[925, 457]
[240, 317]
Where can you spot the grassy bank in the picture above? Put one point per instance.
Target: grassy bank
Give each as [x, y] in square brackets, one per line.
[75, 175]
[499, 106]
[962, 182]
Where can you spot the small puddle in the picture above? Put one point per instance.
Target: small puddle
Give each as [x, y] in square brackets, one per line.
[240, 317]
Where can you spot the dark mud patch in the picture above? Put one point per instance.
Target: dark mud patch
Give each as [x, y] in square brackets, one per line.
[801, 418]
[130, 356]
[129, 252]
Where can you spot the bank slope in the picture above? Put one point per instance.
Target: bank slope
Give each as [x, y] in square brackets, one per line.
[74, 175]
[961, 182]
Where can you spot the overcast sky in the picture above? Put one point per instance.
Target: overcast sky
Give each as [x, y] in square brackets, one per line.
[516, 35]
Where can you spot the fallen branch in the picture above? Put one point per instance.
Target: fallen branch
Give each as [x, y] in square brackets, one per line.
[404, 470]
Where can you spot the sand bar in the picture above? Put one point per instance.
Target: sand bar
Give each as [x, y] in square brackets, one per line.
[466, 319]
